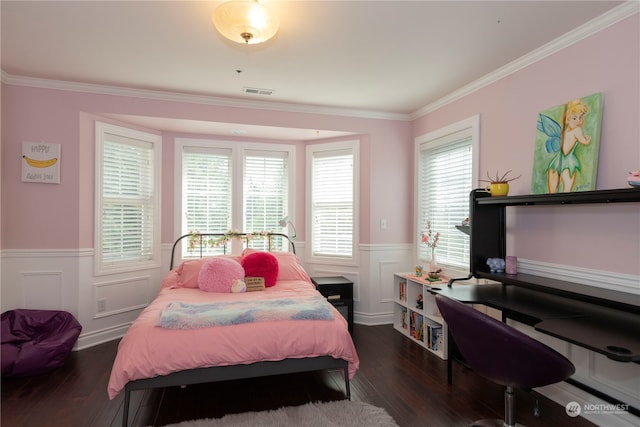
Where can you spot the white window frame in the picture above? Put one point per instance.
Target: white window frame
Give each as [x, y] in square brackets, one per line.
[100, 266]
[354, 147]
[469, 127]
[239, 150]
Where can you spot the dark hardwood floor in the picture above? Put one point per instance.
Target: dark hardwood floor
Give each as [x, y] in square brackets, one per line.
[409, 382]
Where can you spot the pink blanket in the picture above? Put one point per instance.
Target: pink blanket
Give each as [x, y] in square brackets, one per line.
[147, 350]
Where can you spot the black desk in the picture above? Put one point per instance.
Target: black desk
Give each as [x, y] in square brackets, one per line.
[608, 328]
[603, 329]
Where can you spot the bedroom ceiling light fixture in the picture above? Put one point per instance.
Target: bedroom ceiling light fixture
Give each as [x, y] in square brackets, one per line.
[245, 21]
[283, 223]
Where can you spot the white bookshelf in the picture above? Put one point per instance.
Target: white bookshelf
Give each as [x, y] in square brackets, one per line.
[423, 326]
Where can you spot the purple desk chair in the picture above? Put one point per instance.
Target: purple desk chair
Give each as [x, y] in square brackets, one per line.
[502, 354]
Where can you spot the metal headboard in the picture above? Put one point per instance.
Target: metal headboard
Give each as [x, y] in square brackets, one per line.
[203, 239]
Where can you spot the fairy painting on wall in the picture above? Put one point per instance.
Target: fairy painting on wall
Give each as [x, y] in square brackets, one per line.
[567, 145]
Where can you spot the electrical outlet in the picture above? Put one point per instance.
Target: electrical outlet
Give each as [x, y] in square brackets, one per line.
[102, 305]
[383, 224]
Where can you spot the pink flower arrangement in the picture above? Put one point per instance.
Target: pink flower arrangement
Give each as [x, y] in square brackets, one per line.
[430, 239]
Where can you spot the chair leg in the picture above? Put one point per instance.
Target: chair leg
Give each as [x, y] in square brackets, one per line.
[509, 407]
[509, 413]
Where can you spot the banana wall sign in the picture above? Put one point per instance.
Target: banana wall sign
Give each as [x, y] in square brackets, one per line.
[41, 162]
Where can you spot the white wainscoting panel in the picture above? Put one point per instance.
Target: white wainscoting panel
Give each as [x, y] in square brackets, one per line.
[616, 379]
[620, 380]
[378, 265]
[63, 280]
[40, 279]
[386, 270]
[42, 289]
[120, 296]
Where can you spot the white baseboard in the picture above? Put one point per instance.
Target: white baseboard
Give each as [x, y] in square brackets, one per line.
[92, 339]
[373, 319]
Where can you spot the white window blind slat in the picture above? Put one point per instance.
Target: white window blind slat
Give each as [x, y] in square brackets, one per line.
[127, 231]
[208, 199]
[266, 193]
[444, 184]
[333, 203]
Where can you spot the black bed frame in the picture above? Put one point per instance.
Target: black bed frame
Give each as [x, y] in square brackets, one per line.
[234, 372]
[202, 242]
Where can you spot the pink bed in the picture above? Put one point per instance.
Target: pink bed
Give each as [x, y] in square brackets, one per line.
[148, 351]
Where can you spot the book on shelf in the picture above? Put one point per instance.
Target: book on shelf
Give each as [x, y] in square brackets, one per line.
[402, 286]
[404, 318]
[434, 337]
[417, 330]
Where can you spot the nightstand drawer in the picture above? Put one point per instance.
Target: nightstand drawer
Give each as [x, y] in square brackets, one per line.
[336, 292]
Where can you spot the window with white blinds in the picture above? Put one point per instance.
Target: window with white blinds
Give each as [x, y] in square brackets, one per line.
[266, 193]
[445, 179]
[206, 191]
[233, 187]
[127, 202]
[333, 200]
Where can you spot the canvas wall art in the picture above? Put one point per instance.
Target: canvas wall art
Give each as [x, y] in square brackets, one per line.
[567, 145]
[40, 162]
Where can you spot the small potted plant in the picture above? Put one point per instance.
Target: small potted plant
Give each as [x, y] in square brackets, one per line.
[499, 186]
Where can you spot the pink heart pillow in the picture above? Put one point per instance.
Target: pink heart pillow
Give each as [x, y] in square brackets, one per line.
[189, 270]
[219, 273]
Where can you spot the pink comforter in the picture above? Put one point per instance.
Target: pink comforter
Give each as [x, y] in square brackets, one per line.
[147, 350]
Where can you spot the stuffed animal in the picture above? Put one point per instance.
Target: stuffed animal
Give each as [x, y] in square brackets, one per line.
[238, 286]
[496, 265]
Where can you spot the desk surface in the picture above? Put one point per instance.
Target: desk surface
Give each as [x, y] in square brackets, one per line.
[613, 333]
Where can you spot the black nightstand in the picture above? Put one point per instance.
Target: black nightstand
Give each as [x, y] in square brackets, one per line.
[339, 292]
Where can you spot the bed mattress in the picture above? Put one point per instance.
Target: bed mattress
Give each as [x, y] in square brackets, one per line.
[147, 350]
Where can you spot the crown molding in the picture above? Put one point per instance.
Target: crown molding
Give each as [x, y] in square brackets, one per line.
[97, 89]
[588, 29]
[605, 20]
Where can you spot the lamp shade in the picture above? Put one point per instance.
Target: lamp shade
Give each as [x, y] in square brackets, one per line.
[284, 222]
[245, 21]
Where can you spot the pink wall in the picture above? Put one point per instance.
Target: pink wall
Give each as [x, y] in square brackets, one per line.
[596, 237]
[45, 216]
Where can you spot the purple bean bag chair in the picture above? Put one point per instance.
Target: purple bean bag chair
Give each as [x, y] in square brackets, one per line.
[36, 341]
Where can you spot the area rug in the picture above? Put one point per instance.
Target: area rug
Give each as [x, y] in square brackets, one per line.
[342, 413]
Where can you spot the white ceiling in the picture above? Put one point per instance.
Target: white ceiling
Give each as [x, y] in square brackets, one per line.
[381, 57]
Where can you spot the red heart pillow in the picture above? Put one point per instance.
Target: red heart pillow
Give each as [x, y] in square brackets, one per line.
[261, 264]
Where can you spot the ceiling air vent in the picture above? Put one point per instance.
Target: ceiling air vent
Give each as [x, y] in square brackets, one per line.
[257, 91]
